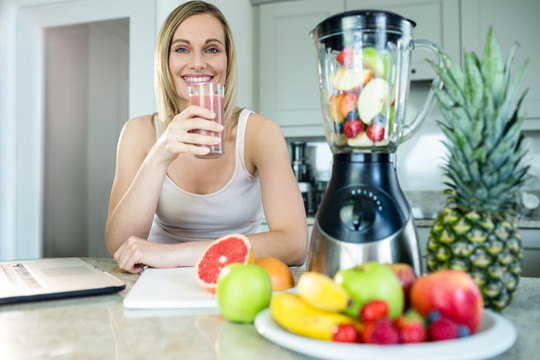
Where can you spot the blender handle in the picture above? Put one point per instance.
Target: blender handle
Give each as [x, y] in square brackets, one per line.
[426, 107]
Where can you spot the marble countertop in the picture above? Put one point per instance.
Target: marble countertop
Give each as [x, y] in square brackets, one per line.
[427, 204]
[98, 327]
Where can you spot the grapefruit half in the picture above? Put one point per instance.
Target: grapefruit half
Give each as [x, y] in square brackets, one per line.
[228, 249]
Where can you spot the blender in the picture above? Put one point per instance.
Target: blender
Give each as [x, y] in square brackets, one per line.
[363, 60]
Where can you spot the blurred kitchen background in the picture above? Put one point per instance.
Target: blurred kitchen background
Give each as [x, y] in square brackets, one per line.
[72, 72]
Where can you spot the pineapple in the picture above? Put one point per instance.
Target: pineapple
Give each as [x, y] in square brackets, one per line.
[485, 167]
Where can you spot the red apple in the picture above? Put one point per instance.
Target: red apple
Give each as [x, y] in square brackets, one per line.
[453, 293]
[406, 276]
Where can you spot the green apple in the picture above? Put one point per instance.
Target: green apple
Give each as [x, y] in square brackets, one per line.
[243, 291]
[375, 60]
[371, 281]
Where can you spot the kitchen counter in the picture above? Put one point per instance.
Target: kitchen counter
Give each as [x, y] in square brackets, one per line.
[98, 327]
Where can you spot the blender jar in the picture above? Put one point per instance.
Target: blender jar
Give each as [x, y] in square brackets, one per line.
[364, 61]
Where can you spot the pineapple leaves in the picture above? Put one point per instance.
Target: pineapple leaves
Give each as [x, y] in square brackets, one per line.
[452, 81]
[493, 68]
[485, 159]
[474, 86]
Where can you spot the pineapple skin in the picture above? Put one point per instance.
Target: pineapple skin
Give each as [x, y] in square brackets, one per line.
[487, 246]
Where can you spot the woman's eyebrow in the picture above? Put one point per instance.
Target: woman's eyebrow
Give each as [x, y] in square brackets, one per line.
[188, 42]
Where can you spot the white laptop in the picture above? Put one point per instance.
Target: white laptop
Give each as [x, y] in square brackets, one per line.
[40, 279]
[169, 289]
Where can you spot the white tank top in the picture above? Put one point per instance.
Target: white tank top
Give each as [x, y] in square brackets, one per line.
[235, 208]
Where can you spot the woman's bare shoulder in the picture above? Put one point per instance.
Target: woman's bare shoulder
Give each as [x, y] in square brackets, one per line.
[139, 129]
[263, 133]
[259, 124]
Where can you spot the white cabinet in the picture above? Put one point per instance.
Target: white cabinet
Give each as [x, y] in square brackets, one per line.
[512, 21]
[436, 21]
[288, 80]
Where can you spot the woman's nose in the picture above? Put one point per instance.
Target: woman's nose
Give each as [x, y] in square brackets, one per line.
[198, 61]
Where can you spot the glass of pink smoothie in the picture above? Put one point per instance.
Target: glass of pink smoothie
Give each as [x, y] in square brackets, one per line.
[210, 96]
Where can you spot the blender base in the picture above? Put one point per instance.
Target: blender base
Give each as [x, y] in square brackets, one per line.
[363, 216]
[328, 255]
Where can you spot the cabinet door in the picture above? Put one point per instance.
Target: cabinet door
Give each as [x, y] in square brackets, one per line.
[436, 20]
[512, 21]
[288, 75]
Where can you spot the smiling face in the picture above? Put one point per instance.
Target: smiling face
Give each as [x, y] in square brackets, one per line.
[198, 54]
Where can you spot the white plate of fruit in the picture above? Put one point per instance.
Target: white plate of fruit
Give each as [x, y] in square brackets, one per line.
[377, 312]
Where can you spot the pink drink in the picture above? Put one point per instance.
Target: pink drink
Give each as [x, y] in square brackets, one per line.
[210, 96]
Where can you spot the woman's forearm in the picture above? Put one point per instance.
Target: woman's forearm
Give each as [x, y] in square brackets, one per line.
[134, 212]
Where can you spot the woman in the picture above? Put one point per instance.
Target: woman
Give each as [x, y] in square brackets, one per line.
[197, 200]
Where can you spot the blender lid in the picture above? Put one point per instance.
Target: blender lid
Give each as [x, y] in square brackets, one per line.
[362, 20]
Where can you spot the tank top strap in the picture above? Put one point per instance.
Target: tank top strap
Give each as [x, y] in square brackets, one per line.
[241, 138]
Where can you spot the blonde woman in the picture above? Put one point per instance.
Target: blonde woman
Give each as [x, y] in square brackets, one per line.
[166, 205]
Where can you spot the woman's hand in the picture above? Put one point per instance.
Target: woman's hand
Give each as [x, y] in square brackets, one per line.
[179, 138]
[136, 253]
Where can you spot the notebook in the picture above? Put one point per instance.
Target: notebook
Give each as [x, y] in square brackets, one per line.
[168, 289]
[40, 279]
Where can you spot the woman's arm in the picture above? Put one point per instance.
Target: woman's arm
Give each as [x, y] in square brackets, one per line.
[266, 149]
[141, 166]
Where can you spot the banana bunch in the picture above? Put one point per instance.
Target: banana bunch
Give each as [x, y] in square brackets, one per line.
[314, 312]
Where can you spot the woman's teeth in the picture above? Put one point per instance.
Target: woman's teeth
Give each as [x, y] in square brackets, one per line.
[199, 79]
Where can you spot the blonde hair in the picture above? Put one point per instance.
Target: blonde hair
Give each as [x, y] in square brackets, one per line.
[167, 99]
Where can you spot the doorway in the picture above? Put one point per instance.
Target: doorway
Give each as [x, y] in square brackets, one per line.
[86, 104]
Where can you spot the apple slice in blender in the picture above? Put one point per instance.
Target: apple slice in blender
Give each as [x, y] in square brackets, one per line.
[376, 61]
[360, 140]
[348, 80]
[371, 100]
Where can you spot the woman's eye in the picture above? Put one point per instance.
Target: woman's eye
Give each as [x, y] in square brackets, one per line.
[181, 50]
[213, 50]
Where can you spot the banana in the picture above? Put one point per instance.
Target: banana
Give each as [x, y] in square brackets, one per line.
[322, 292]
[298, 317]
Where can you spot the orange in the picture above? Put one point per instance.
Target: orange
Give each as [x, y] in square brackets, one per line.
[228, 249]
[279, 272]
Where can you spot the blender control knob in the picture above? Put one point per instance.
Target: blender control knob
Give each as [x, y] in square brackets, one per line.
[358, 213]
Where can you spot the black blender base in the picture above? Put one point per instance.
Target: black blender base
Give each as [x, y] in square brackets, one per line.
[363, 216]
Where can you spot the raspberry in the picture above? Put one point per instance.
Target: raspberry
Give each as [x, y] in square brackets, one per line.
[443, 329]
[346, 333]
[381, 332]
[373, 310]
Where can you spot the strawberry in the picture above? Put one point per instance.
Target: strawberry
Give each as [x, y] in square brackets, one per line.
[411, 327]
[381, 332]
[346, 333]
[351, 129]
[375, 132]
[373, 311]
[443, 329]
[346, 58]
